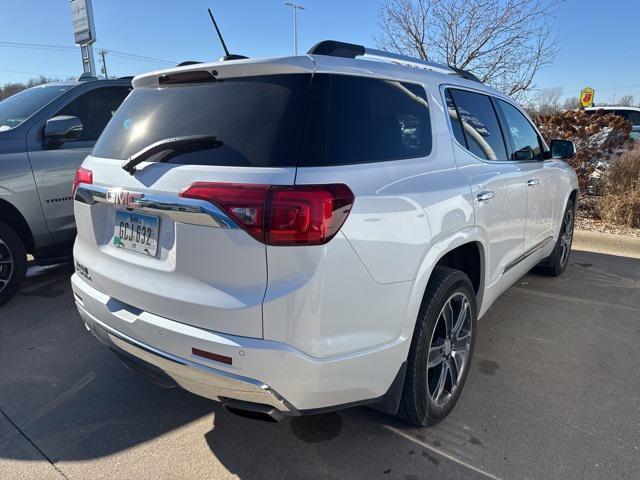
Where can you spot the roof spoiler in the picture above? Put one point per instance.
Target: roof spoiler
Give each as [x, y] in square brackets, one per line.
[335, 48]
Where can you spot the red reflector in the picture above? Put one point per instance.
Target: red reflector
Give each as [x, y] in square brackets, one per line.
[280, 215]
[83, 175]
[212, 356]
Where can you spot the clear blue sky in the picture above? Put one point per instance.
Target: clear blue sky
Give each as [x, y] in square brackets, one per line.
[599, 39]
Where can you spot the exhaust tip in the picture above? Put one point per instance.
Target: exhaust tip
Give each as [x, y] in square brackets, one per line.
[253, 411]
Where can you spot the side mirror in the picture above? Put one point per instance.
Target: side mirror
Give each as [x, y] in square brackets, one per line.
[562, 149]
[62, 127]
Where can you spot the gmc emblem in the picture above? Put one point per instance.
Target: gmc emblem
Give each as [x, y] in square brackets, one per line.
[117, 196]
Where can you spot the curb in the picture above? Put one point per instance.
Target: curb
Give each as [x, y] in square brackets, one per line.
[609, 243]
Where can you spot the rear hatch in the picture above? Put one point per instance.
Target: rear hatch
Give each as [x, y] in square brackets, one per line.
[150, 243]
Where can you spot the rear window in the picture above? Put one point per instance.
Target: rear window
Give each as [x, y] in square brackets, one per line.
[260, 121]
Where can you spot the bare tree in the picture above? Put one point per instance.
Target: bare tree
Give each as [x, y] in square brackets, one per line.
[12, 88]
[571, 103]
[548, 100]
[626, 101]
[503, 42]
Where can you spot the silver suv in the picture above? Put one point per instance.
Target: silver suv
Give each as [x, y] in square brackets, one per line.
[45, 133]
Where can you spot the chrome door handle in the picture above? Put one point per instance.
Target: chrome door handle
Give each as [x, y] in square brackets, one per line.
[486, 195]
[532, 182]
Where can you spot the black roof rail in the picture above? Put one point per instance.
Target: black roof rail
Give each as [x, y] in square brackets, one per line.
[334, 48]
[466, 74]
[187, 62]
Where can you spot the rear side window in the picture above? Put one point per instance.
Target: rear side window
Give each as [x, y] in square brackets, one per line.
[633, 116]
[480, 126]
[258, 119]
[358, 120]
[95, 108]
[525, 142]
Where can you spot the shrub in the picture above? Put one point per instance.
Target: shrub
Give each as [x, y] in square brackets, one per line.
[598, 138]
[620, 202]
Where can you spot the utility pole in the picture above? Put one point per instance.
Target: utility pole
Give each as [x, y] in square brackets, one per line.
[102, 54]
[296, 7]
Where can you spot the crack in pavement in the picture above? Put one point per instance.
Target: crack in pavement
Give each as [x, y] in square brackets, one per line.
[38, 449]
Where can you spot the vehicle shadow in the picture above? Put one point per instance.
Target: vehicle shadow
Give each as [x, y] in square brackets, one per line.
[354, 443]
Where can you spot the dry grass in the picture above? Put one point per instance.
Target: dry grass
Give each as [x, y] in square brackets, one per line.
[620, 202]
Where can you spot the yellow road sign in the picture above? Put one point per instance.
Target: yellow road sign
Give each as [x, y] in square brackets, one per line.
[586, 96]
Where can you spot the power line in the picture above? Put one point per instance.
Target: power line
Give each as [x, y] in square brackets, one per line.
[63, 48]
[32, 73]
[37, 46]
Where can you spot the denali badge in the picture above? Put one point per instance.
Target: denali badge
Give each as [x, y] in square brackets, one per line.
[118, 196]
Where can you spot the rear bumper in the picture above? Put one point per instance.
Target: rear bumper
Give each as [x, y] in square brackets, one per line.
[262, 372]
[199, 379]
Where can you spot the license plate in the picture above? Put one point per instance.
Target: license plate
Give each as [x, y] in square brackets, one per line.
[135, 232]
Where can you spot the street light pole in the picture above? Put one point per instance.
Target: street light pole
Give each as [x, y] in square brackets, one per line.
[296, 7]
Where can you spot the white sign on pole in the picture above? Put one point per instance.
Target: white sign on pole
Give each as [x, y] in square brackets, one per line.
[82, 19]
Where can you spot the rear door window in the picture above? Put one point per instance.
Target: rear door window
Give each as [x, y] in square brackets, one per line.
[456, 124]
[480, 126]
[358, 120]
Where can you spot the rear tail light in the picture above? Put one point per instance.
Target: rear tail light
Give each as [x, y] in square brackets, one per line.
[280, 215]
[83, 175]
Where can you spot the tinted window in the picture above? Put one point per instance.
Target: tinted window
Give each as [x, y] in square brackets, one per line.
[259, 120]
[17, 108]
[632, 116]
[480, 125]
[525, 142]
[454, 119]
[356, 120]
[95, 108]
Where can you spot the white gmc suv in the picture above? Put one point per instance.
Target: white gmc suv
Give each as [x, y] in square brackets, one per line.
[291, 236]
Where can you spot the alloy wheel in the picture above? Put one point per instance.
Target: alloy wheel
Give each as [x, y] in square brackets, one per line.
[566, 236]
[449, 349]
[6, 265]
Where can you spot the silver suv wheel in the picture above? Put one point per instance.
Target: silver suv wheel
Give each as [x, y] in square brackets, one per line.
[449, 349]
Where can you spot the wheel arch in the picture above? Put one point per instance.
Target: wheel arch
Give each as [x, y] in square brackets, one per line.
[465, 251]
[10, 215]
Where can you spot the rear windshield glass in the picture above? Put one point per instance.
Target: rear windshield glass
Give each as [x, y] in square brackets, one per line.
[17, 108]
[258, 119]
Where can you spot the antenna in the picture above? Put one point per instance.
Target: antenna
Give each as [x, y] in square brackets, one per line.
[227, 55]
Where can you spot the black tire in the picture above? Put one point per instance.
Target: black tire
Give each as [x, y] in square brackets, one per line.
[13, 263]
[421, 403]
[556, 263]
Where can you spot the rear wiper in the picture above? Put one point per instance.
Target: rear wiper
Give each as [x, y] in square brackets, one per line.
[174, 144]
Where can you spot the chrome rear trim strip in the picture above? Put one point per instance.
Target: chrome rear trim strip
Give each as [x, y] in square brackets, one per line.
[181, 210]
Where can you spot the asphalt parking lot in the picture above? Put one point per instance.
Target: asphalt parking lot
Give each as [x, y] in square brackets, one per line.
[554, 392]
